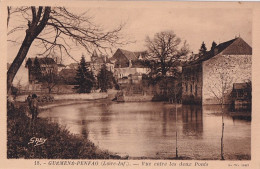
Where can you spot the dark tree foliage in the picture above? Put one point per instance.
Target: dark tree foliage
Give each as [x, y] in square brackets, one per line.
[105, 79]
[203, 49]
[213, 46]
[37, 69]
[165, 51]
[85, 80]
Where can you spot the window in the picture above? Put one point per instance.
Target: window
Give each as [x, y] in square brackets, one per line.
[190, 88]
[186, 87]
[196, 90]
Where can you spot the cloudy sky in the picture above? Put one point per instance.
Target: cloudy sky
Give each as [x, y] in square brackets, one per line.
[191, 24]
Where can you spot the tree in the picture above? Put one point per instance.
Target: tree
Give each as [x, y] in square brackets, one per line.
[84, 78]
[165, 52]
[175, 92]
[50, 80]
[213, 46]
[53, 28]
[203, 49]
[219, 88]
[105, 79]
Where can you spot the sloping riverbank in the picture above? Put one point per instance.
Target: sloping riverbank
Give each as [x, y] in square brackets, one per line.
[46, 140]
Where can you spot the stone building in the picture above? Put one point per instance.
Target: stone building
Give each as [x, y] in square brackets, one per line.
[46, 65]
[205, 79]
[97, 61]
[129, 63]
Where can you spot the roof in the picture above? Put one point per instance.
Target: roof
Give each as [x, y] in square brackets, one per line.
[73, 65]
[94, 54]
[129, 55]
[240, 86]
[143, 54]
[235, 46]
[61, 65]
[139, 64]
[45, 60]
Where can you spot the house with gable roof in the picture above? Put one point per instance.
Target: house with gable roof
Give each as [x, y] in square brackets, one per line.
[129, 64]
[204, 79]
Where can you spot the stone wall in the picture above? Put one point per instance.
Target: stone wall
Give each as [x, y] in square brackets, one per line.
[192, 84]
[219, 74]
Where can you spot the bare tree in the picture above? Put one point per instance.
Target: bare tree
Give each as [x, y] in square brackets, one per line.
[50, 80]
[165, 51]
[55, 29]
[219, 88]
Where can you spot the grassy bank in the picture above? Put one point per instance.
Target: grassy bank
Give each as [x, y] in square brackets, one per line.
[60, 144]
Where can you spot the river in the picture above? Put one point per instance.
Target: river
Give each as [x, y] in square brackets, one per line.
[148, 129]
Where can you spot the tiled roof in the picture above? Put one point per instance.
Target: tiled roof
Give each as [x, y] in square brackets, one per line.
[240, 86]
[73, 65]
[61, 65]
[129, 55]
[45, 60]
[235, 46]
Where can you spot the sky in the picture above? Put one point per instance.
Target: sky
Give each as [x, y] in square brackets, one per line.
[194, 25]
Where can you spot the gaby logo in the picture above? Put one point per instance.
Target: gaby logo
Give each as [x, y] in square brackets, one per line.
[37, 141]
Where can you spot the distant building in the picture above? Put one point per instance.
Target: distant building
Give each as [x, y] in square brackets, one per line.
[129, 64]
[97, 61]
[60, 67]
[46, 65]
[204, 79]
[242, 96]
[72, 66]
[43, 65]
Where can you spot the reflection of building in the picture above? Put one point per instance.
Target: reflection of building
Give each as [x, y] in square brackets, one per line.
[227, 63]
[192, 119]
[129, 65]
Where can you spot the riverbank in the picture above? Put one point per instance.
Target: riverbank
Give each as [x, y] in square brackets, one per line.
[74, 96]
[46, 140]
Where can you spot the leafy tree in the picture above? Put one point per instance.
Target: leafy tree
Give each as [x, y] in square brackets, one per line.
[84, 78]
[56, 28]
[213, 46]
[165, 52]
[105, 79]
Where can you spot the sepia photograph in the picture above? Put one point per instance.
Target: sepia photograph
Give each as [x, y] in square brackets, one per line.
[128, 83]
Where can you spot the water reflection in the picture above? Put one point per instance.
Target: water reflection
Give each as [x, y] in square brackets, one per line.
[148, 128]
[192, 121]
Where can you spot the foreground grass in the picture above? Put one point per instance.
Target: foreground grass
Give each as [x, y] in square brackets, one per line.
[60, 144]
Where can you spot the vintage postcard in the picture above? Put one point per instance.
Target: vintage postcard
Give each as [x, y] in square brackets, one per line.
[120, 84]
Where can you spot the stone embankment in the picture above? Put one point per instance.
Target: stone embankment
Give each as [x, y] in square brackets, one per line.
[65, 99]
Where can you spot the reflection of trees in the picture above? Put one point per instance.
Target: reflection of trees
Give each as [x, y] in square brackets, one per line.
[105, 118]
[84, 127]
[168, 119]
[192, 120]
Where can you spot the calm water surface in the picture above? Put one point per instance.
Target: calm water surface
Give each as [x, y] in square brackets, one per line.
[148, 129]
